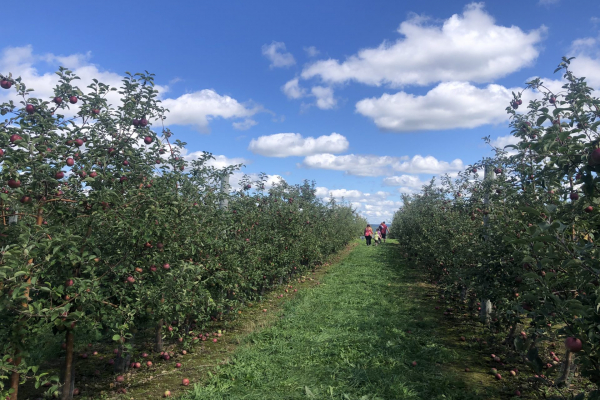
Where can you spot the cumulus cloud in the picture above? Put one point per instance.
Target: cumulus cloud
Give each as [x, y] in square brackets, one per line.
[293, 144]
[236, 177]
[293, 90]
[276, 53]
[449, 105]
[23, 62]
[410, 181]
[196, 108]
[502, 141]
[375, 207]
[200, 107]
[467, 47]
[245, 124]
[324, 95]
[219, 161]
[311, 51]
[371, 165]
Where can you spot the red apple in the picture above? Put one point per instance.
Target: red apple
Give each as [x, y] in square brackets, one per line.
[13, 184]
[59, 175]
[414, 363]
[148, 139]
[95, 111]
[595, 156]
[69, 282]
[572, 344]
[25, 199]
[149, 363]
[589, 209]
[153, 268]
[30, 108]
[143, 122]
[79, 142]
[178, 365]
[120, 378]
[93, 174]
[13, 138]
[167, 393]
[73, 99]
[58, 100]
[574, 196]
[70, 162]
[185, 382]
[5, 84]
[166, 266]
[130, 279]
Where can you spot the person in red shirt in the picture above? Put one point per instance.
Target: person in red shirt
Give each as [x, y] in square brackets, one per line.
[368, 234]
[384, 230]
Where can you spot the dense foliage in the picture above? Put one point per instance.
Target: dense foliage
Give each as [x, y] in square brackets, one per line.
[524, 237]
[106, 230]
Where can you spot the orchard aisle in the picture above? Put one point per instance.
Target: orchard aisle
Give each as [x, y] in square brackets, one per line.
[354, 337]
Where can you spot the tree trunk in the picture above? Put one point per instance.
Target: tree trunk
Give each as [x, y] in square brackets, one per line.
[14, 380]
[69, 376]
[563, 379]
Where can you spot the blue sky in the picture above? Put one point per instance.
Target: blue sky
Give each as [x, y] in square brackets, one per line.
[369, 99]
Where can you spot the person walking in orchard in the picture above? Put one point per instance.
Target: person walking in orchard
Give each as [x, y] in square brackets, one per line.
[368, 234]
[384, 230]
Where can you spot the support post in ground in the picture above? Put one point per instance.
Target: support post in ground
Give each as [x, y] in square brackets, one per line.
[224, 192]
[486, 305]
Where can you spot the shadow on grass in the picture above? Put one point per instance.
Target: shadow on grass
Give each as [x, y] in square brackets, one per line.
[365, 333]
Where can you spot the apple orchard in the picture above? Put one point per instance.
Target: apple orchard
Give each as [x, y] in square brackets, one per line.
[515, 235]
[106, 232]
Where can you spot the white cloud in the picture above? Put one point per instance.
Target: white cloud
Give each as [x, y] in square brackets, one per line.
[374, 207]
[23, 62]
[196, 108]
[449, 105]
[502, 141]
[324, 95]
[293, 144]
[293, 90]
[467, 47]
[200, 107]
[234, 180]
[428, 165]
[218, 161]
[276, 53]
[410, 181]
[371, 165]
[311, 51]
[245, 124]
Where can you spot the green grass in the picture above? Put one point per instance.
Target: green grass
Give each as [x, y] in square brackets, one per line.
[348, 339]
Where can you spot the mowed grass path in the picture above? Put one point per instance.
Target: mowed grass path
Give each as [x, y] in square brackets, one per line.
[348, 339]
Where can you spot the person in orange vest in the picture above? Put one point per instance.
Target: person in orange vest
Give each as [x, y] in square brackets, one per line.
[383, 228]
[368, 234]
